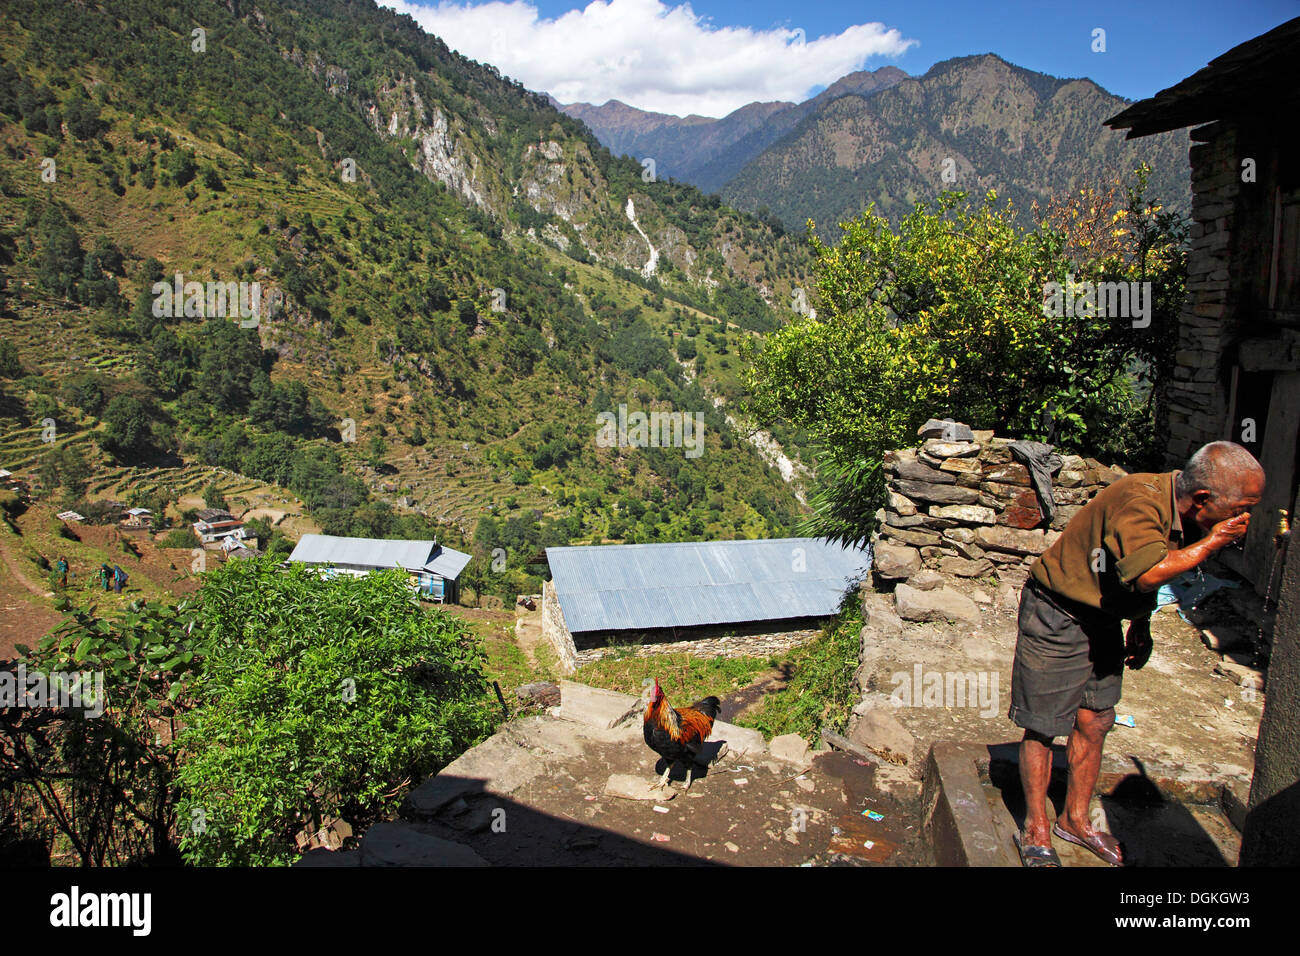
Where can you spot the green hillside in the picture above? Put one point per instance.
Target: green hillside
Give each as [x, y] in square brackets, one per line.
[451, 286]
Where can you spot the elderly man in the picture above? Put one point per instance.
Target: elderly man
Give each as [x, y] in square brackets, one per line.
[1139, 533]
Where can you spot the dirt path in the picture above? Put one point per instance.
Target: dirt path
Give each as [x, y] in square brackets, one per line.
[16, 570]
[751, 695]
[528, 630]
[24, 616]
[545, 802]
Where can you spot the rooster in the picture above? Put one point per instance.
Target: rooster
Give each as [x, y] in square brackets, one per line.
[677, 735]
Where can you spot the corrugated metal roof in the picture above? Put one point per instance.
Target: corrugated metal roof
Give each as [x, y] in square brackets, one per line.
[381, 553]
[448, 563]
[684, 584]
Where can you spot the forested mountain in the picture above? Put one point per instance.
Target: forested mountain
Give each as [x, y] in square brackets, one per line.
[987, 123]
[709, 152]
[884, 137]
[456, 280]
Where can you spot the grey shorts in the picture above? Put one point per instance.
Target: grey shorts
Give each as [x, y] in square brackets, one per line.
[1068, 656]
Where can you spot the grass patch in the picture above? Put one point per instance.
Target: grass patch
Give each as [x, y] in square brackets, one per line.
[820, 692]
[683, 677]
[504, 660]
[508, 664]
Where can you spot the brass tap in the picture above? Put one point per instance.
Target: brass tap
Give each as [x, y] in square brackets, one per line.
[1283, 532]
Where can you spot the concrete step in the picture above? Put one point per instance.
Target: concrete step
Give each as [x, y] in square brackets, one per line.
[497, 766]
[393, 844]
[595, 706]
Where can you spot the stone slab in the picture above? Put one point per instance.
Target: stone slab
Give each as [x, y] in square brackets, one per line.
[946, 429]
[966, 567]
[595, 705]
[899, 504]
[926, 580]
[740, 740]
[1014, 540]
[1012, 474]
[957, 818]
[939, 448]
[917, 471]
[937, 493]
[631, 787]
[497, 766]
[919, 537]
[943, 604]
[963, 466]
[791, 748]
[391, 844]
[875, 726]
[892, 561]
[967, 514]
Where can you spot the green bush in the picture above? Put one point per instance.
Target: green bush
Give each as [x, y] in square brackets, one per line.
[179, 538]
[104, 779]
[950, 313]
[318, 698]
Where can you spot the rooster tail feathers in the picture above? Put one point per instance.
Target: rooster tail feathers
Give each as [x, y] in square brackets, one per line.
[710, 707]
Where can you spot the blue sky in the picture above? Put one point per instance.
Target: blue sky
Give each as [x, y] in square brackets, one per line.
[712, 56]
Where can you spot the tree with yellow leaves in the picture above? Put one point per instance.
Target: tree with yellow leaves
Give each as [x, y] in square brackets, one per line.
[945, 316]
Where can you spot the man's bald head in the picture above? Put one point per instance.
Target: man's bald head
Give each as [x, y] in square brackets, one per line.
[1224, 469]
[1221, 481]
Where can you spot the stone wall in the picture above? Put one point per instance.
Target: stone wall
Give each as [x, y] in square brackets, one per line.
[967, 509]
[1197, 398]
[732, 645]
[556, 631]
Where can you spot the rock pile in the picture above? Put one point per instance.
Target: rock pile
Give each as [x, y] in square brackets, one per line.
[959, 504]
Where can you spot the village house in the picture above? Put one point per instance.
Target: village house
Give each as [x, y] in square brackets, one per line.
[433, 569]
[135, 519]
[234, 547]
[686, 590]
[1237, 375]
[215, 525]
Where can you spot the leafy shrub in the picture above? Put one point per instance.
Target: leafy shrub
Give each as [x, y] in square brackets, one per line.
[179, 538]
[318, 698]
[948, 315]
[105, 780]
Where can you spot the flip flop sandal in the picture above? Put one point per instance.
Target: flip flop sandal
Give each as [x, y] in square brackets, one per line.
[1033, 855]
[1103, 845]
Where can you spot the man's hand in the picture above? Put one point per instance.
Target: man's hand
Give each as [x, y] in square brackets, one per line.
[1224, 534]
[1137, 643]
[1229, 532]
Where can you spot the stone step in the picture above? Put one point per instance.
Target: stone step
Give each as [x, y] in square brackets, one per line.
[393, 844]
[595, 706]
[496, 766]
[740, 740]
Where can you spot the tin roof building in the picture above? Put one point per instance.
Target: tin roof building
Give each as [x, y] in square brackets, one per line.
[433, 567]
[651, 587]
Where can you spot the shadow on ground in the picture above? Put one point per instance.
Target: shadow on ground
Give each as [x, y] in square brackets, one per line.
[1155, 828]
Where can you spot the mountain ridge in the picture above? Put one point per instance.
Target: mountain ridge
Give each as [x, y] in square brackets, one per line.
[723, 144]
[829, 157]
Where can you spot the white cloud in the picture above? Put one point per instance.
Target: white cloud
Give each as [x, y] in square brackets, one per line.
[649, 54]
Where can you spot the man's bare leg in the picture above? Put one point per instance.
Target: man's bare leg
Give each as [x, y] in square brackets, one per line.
[1035, 774]
[1083, 751]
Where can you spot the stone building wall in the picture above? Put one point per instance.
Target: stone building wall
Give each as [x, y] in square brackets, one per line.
[1197, 398]
[967, 509]
[556, 631]
[734, 645]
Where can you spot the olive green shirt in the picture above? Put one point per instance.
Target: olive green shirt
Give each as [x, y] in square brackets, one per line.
[1122, 533]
